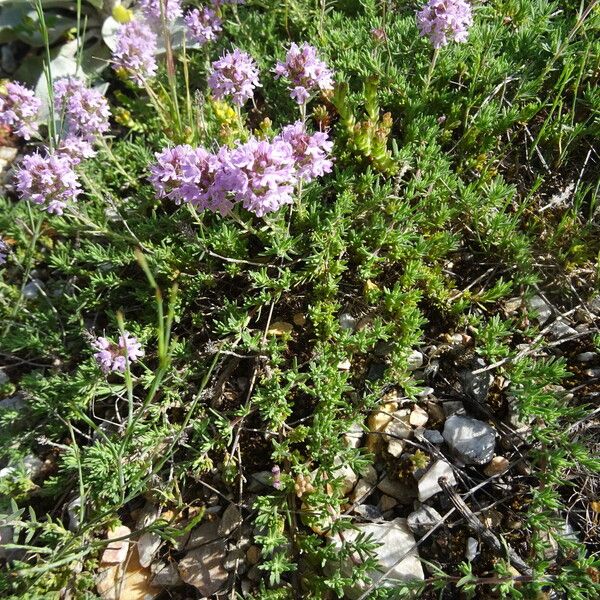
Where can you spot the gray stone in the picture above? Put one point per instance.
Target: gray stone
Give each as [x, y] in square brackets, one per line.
[203, 568]
[32, 290]
[165, 575]
[230, 521]
[453, 407]
[13, 403]
[472, 549]
[426, 391]
[543, 310]
[414, 360]
[6, 537]
[395, 447]
[560, 329]
[235, 561]
[401, 491]
[593, 373]
[354, 435]
[477, 385]
[428, 483]
[346, 474]
[433, 436]
[395, 542]
[386, 503]
[149, 542]
[361, 491]
[31, 464]
[423, 519]
[73, 512]
[347, 322]
[3, 377]
[206, 532]
[470, 440]
[399, 427]
[368, 512]
[584, 357]
[258, 481]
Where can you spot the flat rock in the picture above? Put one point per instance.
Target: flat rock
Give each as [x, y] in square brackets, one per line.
[433, 436]
[428, 484]
[470, 440]
[203, 568]
[347, 322]
[477, 385]
[561, 329]
[117, 550]
[418, 417]
[16, 402]
[414, 360]
[423, 519]
[403, 492]
[353, 437]
[206, 532]
[453, 407]
[368, 512]
[361, 491]
[395, 541]
[149, 542]
[543, 310]
[128, 581]
[230, 521]
[399, 426]
[165, 574]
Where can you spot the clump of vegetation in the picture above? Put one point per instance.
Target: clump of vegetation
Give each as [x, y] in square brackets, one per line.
[277, 228]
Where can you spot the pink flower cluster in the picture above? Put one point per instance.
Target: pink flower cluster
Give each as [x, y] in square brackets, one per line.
[114, 357]
[306, 72]
[261, 174]
[49, 181]
[135, 51]
[203, 25]
[154, 10]
[19, 109]
[85, 114]
[445, 20]
[234, 75]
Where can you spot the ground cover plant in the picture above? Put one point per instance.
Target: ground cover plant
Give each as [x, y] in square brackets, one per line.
[300, 299]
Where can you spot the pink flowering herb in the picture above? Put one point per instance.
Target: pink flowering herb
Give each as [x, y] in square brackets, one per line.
[114, 357]
[155, 10]
[235, 76]
[186, 174]
[264, 175]
[135, 51]
[203, 25]
[443, 21]
[84, 110]
[311, 152]
[49, 181]
[19, 110]
[306, 72]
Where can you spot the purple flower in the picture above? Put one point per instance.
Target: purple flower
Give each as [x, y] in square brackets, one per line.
[235, 74]
[85, 110]
[48, 180]
[310, 151]
[305, 71]
[135, 50]
[114, 357]
[19, 109]
[445, 20]
[75, 149]
[186, 174]
[154, 10]
[262, 175]
[202, 25]
[4, 250]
